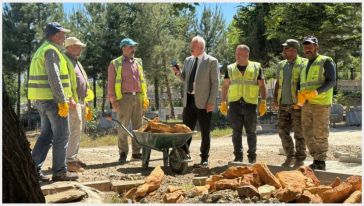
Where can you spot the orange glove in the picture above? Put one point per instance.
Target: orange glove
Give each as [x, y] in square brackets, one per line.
[262, 107]
[223, 108]
[295, 106]
[63, 109]
[89, 114]
[301, 98]
[145, 104]
[310, 94]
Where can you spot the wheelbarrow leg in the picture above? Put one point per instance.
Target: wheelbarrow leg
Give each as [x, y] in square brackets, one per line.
[145, 156]
[165, 158]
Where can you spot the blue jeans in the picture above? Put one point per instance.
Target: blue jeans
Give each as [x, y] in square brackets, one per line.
[54, 132]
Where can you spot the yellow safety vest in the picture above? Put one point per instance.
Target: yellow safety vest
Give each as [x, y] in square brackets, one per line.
[246, 86]
[118, 65]
[38, 85]
[72, 74]
[299, 64]
[314, 79]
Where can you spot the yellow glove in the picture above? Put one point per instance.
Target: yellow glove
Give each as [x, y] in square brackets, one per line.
[262, 107]
[295, 106]
[89, 114]
[310, 94]
[301, 98]
[63, 109]
[223, 108]
[145, 104]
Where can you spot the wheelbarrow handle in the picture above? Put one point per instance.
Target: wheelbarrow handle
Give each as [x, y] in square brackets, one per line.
[126, 130]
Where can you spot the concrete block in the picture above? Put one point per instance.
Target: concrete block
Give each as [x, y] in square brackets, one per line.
[103, 186]
[281, 151]
[350, 159]
[236, 164]
[57, 187]
[66, 196]
[121, 186]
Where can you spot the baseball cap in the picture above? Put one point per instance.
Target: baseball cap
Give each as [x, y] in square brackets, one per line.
[53, 28]
[310, 40]
[291, 43]
[127, 42]
[73, 40]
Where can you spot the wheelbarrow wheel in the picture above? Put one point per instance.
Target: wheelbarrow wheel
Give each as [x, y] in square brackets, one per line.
[176, 160]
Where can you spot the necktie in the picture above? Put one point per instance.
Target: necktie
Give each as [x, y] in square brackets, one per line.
[191, 80]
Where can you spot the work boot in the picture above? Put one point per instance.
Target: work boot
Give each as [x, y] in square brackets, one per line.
[74, 167]
[81, 163]
[41, 177]
[321, 165]
[65, 176]
[204, 162]
[122, 158]
[289, 162]
[136, 156]
[313, 165]
[298, 163]
[238, 159]
[252, 160]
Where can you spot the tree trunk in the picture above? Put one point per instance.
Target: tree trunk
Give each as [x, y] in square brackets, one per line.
[156, 93]
[94, 84]
[103, 95]
[20, 184]
[18, 98]
[169, 96]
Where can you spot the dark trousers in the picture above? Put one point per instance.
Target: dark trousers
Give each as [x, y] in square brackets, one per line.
[243, 114]
[191, 114]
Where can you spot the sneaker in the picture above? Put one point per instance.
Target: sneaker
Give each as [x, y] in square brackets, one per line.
[74, 167]
[289, 162]
[41, 176]
[122, 158]
[65, 176]
[136, 156]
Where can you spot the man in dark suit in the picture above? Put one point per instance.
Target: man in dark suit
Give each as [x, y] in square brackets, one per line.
[200, 75]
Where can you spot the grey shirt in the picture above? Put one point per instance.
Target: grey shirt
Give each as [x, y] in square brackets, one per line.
[80, 78]
[286, 85]
[53, 70]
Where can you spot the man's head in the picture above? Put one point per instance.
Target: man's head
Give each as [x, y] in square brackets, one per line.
[290, 48]
[74, 46]
[128, 46]
[55, 32]
[197, 46]
[242, 54]
[310, 46]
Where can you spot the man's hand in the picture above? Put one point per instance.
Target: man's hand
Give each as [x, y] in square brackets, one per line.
[145, 104]
[72, 104]
[262, 107]
[210, 107]
[63, 109]
[115, 106]
[89, 114]
[223, 108]
[176, 70]
[275, 105]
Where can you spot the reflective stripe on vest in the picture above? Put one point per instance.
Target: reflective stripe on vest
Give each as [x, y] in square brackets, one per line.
[298, 66]
[246, 86]
[118, 64]
[38, 84]
[314, 79]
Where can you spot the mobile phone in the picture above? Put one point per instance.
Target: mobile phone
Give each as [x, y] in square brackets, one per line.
[174, 63]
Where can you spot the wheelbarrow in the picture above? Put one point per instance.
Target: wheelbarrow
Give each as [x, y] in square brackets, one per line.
[175, 159]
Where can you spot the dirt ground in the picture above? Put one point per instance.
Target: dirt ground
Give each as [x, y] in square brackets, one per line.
[103, 161]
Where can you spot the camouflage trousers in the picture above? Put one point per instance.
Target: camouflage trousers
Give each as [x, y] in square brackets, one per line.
[315, 126]
[289, 120]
